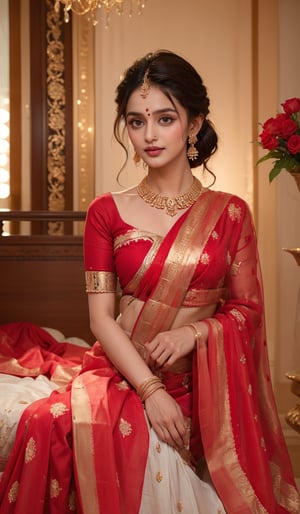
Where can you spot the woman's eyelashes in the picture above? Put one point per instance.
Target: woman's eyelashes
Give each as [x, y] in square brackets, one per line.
[139, 122]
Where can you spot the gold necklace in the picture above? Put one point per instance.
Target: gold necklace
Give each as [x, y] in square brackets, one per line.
[171, 204]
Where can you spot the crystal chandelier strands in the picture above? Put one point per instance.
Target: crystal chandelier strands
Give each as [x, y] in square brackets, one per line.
[89, 7]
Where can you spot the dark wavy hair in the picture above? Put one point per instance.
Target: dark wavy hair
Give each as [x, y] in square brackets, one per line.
[178, 79]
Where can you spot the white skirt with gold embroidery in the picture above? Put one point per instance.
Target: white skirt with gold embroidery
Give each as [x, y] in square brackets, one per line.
[172, 487]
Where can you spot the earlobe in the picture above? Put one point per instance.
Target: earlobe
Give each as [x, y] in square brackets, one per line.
[196, 124]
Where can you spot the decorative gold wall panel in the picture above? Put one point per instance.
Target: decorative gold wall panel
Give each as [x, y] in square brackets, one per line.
[56, 103]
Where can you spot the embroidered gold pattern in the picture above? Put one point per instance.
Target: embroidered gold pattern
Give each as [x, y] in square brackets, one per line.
[234, 212]
[134, 235]
[243, 359]
[100, 282]
[215, 235]
[285, 494]
[54, 488]
[228, 258]
[204, 259]
[239, 317]
[122, 386]
[262, 443]
[58, 409]
[30, 451]
[235, 268]
[179, 506]
[13, 492]
[72, 501]
[159, 477]
[125, 427]
[158, 448]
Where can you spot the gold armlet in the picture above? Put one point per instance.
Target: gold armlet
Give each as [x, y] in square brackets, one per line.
[196, 331]
[100, 282]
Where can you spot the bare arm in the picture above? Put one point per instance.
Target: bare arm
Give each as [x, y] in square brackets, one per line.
[163, 412]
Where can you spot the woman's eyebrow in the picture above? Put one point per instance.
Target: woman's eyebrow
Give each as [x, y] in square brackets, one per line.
[158, 111]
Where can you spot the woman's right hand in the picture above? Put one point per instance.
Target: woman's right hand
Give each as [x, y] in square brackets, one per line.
[166, 418]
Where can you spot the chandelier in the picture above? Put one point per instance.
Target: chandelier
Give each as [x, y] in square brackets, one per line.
[89, 7]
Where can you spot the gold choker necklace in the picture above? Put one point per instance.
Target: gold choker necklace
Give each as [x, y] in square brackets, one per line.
[171, 204]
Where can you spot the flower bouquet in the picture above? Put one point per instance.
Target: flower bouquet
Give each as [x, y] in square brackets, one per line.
[281, 137]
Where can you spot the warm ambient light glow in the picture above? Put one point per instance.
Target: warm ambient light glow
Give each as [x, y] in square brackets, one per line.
[4, 152]
[89, 7]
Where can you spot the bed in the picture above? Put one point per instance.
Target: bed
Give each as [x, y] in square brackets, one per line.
[42, 285]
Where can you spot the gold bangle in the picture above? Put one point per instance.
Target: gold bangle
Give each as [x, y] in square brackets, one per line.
[197, 333]
[149, 386]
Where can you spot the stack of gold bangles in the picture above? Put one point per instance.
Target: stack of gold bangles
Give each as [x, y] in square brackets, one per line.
[149, 386]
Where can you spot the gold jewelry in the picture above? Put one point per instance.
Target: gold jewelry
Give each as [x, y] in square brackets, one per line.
[171, 204]
[192, 151]
[149, 386]
[145, 87]
[196, 331]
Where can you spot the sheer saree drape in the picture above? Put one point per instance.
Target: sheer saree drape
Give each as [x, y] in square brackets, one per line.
[91, 439]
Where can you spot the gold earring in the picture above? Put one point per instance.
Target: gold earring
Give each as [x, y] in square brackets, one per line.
[192, 151]
[136, 158]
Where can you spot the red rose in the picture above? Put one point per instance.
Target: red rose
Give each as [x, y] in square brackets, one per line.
[268, 141]
[287, 128]
[271, 126]
[293, 144]
[292, 105]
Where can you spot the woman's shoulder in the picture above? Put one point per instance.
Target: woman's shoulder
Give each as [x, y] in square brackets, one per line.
[230, 197]
[101, 202]
[235, 204]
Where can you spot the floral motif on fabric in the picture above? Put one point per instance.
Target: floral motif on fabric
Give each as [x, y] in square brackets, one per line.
[228, 259]
[158, 477]
[243, 359]
[5, 431]
[125, 427]
[72, 501]
[30, 451]
[263, 444]
[122, 386]
[158, 448]
[58, 409]
[179, 506]
[286, 495]
[186, 381]
[235, 268]
[234, 212]
[215, 235]
[54, 488]
[239, 317]
[204, 259]
[13, 492]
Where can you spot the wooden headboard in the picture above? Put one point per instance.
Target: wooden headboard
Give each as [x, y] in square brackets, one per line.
[42, 276]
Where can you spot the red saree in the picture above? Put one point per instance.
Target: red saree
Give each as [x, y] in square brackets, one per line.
[85, 448]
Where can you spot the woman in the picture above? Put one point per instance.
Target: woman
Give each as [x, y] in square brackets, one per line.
[173, 409]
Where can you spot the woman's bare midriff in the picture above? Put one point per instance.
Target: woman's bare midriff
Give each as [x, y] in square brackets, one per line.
[130, 308]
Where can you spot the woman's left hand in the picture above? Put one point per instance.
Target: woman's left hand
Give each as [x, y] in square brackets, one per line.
[167, 347]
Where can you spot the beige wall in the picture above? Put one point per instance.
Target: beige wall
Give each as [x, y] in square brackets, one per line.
[216, 39]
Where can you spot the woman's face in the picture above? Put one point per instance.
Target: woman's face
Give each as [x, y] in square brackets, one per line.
[157, 128]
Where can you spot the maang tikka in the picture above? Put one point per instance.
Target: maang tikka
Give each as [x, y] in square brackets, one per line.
[145, 87]
[192, 151]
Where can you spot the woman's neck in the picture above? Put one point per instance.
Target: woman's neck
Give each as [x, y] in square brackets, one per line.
[169, 183]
